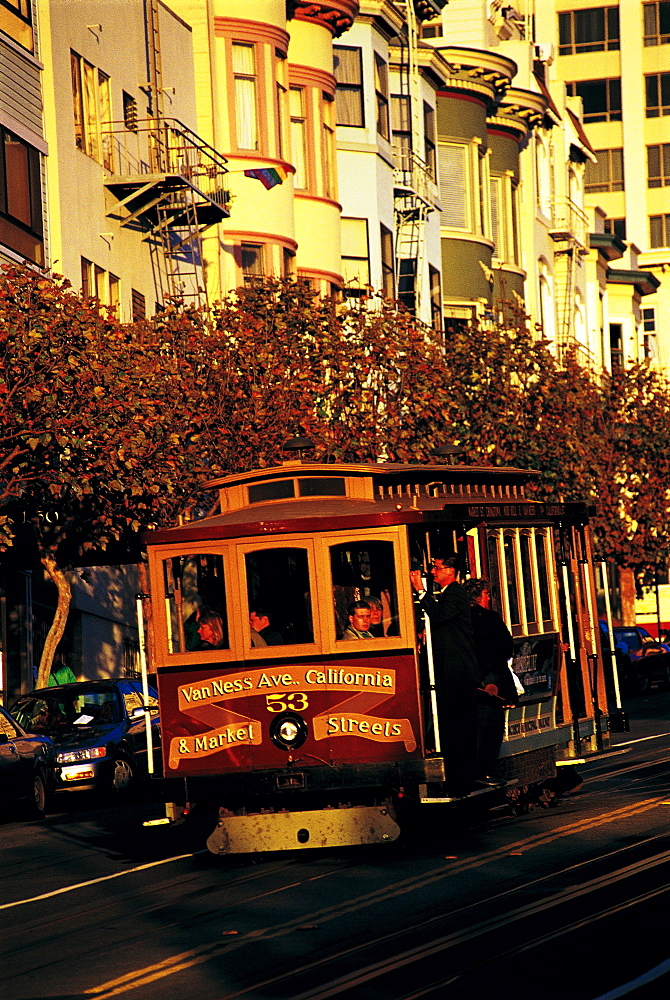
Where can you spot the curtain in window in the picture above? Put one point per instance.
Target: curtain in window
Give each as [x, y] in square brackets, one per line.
[452, 165]
[90, 112]
[18, 180]
[349, 96]
[246, 111]
[298, 137]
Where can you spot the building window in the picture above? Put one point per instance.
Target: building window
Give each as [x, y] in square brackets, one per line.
[355, 256]
[435, 298]
[656, 23]
[299, 137]
[504, 222]
[129, 111]
[607, 173]
[20, 197]
[616, 345]
[657, 86]
[429, 139]
[388, 277]
[616, 227]
[348, 67]
[17, 23]
[595, 29]
[252, 262]
[328, 147]
[431, 29]
[382, 96]
[92, 110]
[649, 333]
[601, 98]
[246, 106]
[544, 176]
[658, 166]
[139, 306]
[453, 170]
[288, 263]
[401, 125]
[281, 103]
[659, 231]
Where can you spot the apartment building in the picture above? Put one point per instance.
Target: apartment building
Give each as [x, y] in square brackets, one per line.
[614, 58]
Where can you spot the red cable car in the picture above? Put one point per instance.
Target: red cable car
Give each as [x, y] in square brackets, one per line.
[308, 730]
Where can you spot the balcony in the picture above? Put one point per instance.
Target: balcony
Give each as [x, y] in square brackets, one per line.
[570, 224]
[163, 169]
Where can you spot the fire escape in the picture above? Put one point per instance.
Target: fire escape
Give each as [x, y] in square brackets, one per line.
[169, 184]
[415, 190]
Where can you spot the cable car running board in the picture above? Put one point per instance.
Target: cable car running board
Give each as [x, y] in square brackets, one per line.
[281, 831]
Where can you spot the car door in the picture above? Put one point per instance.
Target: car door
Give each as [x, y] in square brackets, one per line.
[12, 777]
[134, 698]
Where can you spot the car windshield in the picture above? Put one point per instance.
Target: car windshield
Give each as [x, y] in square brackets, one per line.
[79, 705]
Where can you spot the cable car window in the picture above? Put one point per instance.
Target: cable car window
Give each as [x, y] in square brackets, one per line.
[364, 590]
[195, 603]
[279, 597]
[321, 488]
[543, 575]
[282, 489]
[527, 581]
[494, 570]
[512, 588]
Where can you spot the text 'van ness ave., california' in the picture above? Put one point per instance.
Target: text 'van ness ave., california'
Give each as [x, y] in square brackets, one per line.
[253, 682]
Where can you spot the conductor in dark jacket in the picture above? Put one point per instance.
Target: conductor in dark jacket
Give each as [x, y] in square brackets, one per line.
[494, 647]
[455, 662]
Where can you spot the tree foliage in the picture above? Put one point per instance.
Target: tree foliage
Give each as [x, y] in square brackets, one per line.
[111, 427]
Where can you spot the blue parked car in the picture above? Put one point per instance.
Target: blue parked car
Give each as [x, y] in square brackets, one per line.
[644, 662]
[27, 766]
[99, 731]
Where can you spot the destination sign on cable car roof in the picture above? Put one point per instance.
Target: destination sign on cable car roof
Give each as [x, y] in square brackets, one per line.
[516, 511]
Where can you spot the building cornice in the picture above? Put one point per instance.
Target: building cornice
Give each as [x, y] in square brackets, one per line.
[645, 282]
[335, 15]
[609, 245]
[477, 70]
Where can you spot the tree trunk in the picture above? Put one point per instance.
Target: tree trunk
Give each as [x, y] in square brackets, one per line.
[627, 594]
[55, 633]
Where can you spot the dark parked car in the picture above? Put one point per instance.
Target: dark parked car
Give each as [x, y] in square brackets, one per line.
[27, 766]
[643, 661]
[98, 728]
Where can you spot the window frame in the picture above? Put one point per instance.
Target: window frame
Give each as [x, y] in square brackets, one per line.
[360, 290]
[664, 221]
[405, 605]
[382, 96]
[572, 22]
[33, 186]
[611, 112]
[495, 536]
[349, 87]
[660, 106]
[612, 167]
[655, 36]
[387, 261]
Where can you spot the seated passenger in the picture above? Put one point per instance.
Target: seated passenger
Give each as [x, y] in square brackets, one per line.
[359, 621]
[376, 617]
[210, 631]
[260, 623]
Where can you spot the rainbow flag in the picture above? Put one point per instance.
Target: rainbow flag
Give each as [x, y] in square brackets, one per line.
[268, 176]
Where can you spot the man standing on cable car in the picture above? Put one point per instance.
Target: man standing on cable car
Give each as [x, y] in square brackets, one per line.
[456, 672]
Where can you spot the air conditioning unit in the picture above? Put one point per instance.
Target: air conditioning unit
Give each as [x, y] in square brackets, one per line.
[544, 52]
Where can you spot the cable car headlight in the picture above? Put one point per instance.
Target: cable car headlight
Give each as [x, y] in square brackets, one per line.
[288, 731]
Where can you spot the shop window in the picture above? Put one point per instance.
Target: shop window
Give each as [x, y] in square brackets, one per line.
[348, 67]
[601, 98]
[279, 597]
[656, 22]
[195, 600]
[595, 29]
[364, 572]
[607, 173]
